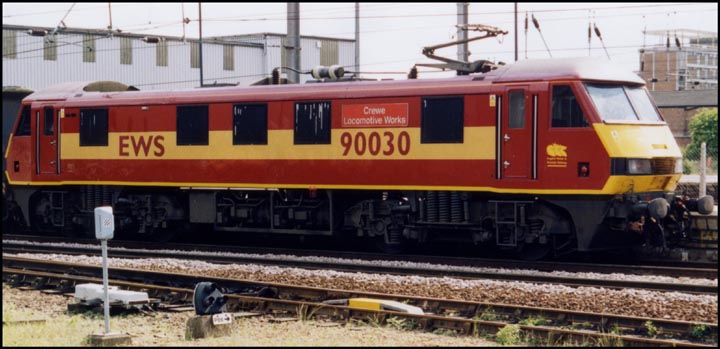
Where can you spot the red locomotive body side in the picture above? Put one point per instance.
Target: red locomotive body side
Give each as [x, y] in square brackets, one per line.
[142, 151]
[532, 157]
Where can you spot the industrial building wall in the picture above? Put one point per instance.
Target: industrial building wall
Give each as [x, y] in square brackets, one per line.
[92, 55]
[314, 51]
[36, 65]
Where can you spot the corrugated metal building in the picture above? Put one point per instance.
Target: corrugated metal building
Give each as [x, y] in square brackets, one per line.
[36, 62]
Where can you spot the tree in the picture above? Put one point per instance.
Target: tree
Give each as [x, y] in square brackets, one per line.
[703, 128]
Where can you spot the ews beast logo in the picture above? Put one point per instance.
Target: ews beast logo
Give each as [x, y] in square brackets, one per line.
[556, 150]
[142, 146]
[556, 155]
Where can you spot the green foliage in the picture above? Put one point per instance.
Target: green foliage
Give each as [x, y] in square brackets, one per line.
[703, 128]
[402, 324]
[700, 331]
[376, 320]
[488, 315]
[535, 321]
[652, 330]
[304, 313]
[612, 339]
[508, 335]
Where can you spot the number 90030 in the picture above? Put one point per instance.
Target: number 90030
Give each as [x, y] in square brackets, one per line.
[374, 143]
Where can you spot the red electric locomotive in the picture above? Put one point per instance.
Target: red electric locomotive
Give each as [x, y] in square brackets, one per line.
[533, 157]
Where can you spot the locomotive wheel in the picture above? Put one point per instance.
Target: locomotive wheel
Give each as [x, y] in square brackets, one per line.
[398, 245]
[13, 220]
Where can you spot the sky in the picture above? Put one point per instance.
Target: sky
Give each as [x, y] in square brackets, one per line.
[392, 35]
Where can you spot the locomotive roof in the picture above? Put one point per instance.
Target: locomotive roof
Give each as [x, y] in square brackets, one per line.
[586, 69]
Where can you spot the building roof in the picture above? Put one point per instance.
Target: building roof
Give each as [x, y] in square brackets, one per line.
[255, 35]
[120, 33]
[682, 32]
[686, 98]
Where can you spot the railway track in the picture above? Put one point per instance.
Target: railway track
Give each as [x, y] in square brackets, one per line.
[307, 302]
[655, 267]
[392, 268]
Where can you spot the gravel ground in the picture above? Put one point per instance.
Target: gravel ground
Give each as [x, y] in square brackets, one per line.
[168, 329]
[596, 276]
[669, 305]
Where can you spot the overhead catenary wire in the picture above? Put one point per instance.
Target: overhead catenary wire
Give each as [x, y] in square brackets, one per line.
[51, 36]
[495, 52]
[614, 14]
[143, 27]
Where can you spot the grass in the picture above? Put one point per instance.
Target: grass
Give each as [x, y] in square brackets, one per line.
[488, 315]
[65, 331]
[72, 331]
[304, 314]
[535, 321]
[509, 335]
[402, 324]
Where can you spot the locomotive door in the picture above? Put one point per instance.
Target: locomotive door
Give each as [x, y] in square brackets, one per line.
[48, 155]
[515, 134]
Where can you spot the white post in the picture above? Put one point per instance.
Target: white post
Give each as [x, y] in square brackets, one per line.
[703, 169]
[106, 301]
[104, 230]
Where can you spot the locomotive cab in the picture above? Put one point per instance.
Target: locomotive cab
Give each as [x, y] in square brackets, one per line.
[645, 166]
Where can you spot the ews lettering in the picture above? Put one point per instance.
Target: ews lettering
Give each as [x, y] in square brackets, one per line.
[142, 146]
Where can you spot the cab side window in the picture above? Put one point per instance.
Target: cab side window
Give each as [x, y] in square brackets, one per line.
[566, 111]
[23, 127]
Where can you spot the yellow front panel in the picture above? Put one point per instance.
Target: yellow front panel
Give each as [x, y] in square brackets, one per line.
[638, 141]
[640, 184]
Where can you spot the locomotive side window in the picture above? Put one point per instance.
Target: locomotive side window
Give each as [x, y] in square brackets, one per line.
[566, 111]
[517, 109]
[312, 123]
[250, 124]
[23, 128]
[93, 127]
[192, 125]
[49, 129]
[442, 120]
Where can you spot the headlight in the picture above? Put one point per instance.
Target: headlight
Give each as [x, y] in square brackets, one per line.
[639, 166]
[678, 165]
